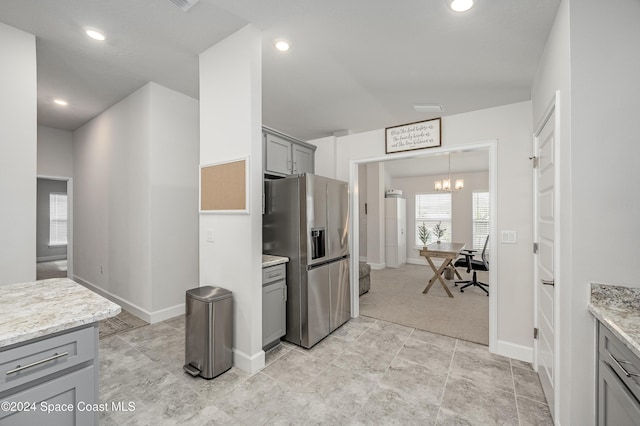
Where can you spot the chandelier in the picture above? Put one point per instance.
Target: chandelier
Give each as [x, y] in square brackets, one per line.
[445, 184]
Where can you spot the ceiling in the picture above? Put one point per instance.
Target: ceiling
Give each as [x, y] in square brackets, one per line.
[438, 164]
[354, 65]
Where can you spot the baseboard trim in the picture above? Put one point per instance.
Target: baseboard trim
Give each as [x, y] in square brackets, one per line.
[167, 313]
[377, 266]
[250, 364]
[512, 350]
[143, 314]
[51, 258]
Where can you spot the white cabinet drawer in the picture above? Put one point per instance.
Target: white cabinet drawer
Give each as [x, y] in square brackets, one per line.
[41, 358]
[273, 273]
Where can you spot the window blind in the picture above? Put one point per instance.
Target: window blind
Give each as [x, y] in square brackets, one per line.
[432, 209]
[480, 206]
[57, 219]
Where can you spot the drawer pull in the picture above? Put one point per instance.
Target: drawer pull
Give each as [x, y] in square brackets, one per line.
[33, 364]
[548, 282]
[624, 370]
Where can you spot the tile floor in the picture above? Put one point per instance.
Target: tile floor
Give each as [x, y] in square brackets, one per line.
[368, 372]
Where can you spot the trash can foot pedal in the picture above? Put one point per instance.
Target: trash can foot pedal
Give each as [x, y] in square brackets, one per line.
[191, 370]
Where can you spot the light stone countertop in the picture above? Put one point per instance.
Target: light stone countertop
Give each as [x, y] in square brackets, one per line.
[38, 308]
[618, 309]
[270, 260]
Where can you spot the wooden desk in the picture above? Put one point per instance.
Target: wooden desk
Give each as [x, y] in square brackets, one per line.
[449, 252]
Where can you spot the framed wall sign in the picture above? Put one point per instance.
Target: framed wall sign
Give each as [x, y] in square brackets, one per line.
[224, 187]
[407, 137]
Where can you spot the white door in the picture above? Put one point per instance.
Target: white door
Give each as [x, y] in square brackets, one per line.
[545, 226]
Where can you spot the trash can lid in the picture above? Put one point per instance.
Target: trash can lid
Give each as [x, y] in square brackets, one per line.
[208, 293]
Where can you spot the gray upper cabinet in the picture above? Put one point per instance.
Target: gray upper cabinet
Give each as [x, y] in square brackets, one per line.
[302, 159]
[277, 155]
[284, 155]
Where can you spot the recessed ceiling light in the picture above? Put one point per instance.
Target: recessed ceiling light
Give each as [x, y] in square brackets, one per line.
[461, 5]
[282, 45]
[61, 102]
[428, 108]
[94, 34]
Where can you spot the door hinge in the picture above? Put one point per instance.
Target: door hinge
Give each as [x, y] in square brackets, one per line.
[535, 248]
[535, 333]
[535, 161]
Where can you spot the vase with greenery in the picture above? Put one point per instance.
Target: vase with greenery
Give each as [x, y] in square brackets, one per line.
[439, 231]
[424, 234]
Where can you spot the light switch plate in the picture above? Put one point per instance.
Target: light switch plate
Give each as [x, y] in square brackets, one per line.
[210, 235]
[509, 237]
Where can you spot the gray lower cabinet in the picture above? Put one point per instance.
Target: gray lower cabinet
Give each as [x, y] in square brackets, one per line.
[51, 380]
[284, 155]
[618, 382]
[274, 297]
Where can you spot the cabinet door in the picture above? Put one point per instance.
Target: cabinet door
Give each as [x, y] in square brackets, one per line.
[277, 154]
[273, 311]
[616, 405]
[66, 393]
[302, 159]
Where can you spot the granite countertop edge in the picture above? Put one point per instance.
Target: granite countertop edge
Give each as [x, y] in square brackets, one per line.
[617, 308]
[35, 309]
[272, 260]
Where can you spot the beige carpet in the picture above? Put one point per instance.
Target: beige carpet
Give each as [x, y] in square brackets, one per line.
[396, 296]
[52, 269]
[122, 322]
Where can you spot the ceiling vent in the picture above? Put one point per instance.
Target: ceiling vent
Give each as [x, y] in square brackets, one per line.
[184, 4]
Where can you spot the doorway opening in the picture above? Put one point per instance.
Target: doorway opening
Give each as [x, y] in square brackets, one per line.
[53, 227]
[476, 164]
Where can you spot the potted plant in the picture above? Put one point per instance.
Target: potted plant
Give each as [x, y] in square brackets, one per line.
[439, 231]
[424, 234]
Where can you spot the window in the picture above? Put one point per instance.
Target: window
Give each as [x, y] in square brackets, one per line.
[480, 219]
[57, 219]
[432, 209]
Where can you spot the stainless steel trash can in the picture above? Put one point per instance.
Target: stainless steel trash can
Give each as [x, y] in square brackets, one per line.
[209, 331]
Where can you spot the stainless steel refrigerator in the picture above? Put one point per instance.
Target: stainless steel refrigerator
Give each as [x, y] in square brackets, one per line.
[307, 219]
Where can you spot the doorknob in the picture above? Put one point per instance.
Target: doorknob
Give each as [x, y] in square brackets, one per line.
[548, 282]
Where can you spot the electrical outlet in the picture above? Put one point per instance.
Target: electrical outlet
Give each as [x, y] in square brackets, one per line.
[102, 269]
[210, 235]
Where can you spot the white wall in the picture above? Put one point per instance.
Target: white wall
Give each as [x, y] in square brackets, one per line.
[230, 129]
[111, 203]
[123, 205]
[174, 155]
[597, 162]
[325, 156]
[55, 152]
[17, 155]
[511, 126]
[461, 207]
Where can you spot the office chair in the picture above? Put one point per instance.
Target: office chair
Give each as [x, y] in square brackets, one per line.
[476, 265]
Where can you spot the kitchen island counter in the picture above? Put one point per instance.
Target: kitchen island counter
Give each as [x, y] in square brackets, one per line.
[39, 308]
[618, 309]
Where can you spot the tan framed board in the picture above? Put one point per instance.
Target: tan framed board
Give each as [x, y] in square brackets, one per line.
[224, 187]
